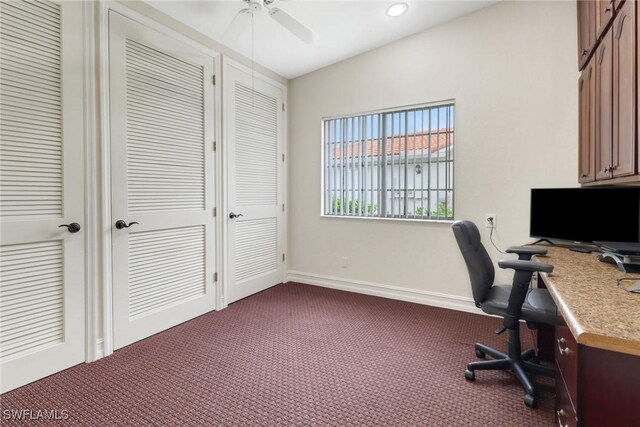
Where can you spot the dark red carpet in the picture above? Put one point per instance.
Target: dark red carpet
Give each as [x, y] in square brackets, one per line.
[297, 355]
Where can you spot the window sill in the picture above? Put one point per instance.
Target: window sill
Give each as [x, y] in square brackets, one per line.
[375, 218]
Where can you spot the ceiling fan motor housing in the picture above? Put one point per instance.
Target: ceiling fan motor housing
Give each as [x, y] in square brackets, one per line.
[255, 6]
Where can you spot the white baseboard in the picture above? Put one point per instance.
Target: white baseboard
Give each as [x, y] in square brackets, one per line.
[436, 299]
[99, 349]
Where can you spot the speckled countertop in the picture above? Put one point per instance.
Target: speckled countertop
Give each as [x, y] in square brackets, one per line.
[599, 313]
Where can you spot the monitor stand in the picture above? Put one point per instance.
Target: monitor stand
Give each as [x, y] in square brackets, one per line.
[543, 240]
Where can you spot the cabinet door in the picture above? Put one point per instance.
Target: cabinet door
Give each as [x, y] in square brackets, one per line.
[604, 107]
[587, 13]
[587, 138]
[624, 91]
[605, 14]
[583, 32]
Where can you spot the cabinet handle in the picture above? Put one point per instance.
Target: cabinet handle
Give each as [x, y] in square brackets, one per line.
[561, 413]
[606, 170]
[584, 52]
[584, 175]
[564, 351]
[612, 168]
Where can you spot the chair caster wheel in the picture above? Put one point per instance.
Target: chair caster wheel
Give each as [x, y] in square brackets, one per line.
[470, 375]
[480, 354]
[530, 401]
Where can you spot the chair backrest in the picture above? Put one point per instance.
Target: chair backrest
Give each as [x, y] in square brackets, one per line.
[478, 262]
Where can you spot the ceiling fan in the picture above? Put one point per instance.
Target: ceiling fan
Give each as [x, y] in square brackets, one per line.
[294, 26]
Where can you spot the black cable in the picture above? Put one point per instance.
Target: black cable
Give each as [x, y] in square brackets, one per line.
[491, 239]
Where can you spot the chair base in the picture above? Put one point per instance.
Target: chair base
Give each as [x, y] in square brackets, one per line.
[522, 364]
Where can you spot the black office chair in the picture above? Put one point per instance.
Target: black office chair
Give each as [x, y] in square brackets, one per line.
[513, 302]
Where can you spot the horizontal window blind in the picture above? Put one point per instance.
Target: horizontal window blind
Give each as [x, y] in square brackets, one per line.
[396, 164]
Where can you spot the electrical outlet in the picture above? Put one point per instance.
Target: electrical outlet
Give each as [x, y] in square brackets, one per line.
[491, 221]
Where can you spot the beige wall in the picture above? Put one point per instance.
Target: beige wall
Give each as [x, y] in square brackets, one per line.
[512, 69]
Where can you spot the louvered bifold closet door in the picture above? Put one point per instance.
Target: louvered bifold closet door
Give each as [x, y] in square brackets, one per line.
[161, 98]
[255, 148]
[41, 187]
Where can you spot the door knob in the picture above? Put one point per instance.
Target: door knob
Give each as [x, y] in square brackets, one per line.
[74, 227]
[120, 224]
[234, 215]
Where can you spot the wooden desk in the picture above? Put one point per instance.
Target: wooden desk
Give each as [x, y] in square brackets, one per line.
[597, 341]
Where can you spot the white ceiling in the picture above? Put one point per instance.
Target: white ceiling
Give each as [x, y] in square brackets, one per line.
[345, 28]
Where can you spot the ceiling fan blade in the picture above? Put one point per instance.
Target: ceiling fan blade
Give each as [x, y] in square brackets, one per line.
[293, 25]
[238, 25]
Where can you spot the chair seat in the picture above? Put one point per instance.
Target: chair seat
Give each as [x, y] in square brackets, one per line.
[538, 306]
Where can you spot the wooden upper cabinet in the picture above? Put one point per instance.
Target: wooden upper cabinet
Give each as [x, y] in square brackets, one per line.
[609, 116]
[624, 91]
[587, 134]
[604, 107]
[605, 12]
[587, 16]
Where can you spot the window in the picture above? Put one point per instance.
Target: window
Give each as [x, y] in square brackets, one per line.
[394, 164]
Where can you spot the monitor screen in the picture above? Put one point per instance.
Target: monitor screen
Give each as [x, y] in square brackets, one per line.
[586, 214]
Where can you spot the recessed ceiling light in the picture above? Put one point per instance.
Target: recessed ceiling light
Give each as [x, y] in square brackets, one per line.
[397, 9]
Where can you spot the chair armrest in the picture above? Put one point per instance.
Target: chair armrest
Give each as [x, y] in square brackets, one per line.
[521, 280]
[520, 265]
[526, 250]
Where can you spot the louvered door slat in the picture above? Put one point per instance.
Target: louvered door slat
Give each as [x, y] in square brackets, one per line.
[44, 9]
[162, 75]
[256, 245]
[146, 101]
[35, 53]
[21, 162]
[166, 267]
[23, 66]
[29, 75]
[256, 147]
[29, 22]
[153, 56]
[19, 305]
[172, 85]
[38, 52]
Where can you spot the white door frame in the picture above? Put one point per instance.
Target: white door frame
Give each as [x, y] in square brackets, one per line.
[104, 226]
[226, 63]
[92, 189]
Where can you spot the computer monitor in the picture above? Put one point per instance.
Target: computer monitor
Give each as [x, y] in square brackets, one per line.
[584, 215]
